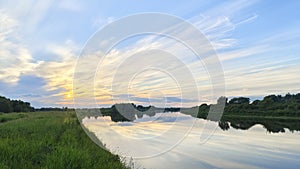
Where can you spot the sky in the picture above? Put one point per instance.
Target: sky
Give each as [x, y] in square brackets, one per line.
[257, 43]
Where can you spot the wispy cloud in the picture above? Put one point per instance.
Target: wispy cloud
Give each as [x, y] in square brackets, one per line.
[15, 58]
[28, 13]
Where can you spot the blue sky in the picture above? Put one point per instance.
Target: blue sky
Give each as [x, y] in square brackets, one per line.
[257, 43]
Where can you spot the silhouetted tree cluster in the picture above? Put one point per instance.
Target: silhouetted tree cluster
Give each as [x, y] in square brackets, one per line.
[129, 111]
[272, 105]
[53, 109]
[240, 100]
[126, 111]
[8, 106]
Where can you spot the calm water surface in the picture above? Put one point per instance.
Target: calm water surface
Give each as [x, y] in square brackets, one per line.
[175, 140]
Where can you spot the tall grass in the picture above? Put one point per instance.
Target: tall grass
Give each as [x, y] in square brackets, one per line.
[4, 117]
[50, 140]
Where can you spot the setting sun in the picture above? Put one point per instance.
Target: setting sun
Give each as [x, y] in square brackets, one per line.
[68, 95]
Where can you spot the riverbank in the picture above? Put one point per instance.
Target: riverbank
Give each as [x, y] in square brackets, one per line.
[50, 140]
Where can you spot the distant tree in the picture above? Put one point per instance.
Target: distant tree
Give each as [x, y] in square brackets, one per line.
[123, 112]
[240, 100]
[203, 110]
[297, 98]
[5, 105]
[288, 96]
[20, 106]
[204, 106]
[272, 99]
[256, 102]
[224, 125]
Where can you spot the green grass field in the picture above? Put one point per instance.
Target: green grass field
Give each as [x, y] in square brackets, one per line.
[49, 140]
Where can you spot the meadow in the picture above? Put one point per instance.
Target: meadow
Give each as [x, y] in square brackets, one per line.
[50, 140]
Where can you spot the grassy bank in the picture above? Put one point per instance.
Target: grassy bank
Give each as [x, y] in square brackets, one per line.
[49, 140]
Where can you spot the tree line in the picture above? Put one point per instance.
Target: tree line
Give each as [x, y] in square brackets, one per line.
[271, 105]
[8, 105]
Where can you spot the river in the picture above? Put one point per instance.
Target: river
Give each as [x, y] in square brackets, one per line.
[179, 141]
